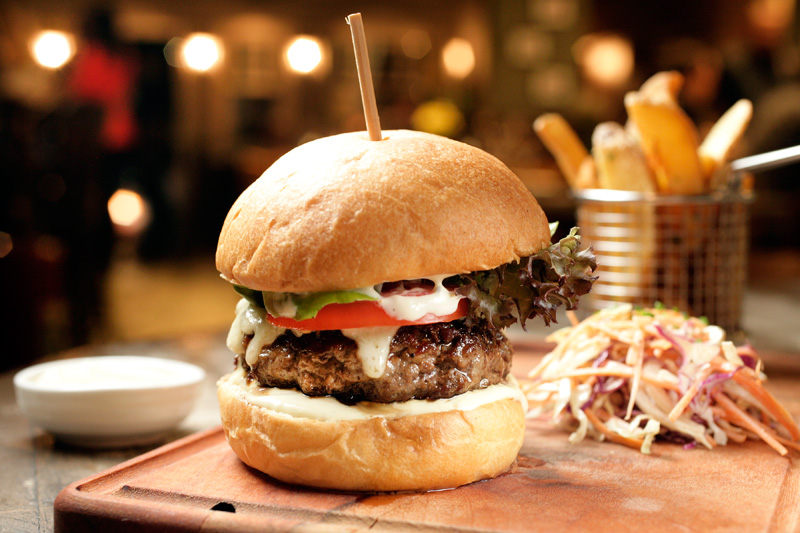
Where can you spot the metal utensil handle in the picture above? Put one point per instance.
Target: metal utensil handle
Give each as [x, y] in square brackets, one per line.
[767, 160]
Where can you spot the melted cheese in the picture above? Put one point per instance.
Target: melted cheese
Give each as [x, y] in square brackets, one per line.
[295, 404]
[251, 320]
[374, 345]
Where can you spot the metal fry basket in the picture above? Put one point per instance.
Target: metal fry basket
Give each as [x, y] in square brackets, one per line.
[688, 252]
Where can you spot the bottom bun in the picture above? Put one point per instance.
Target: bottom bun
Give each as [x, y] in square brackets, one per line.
[416, 452]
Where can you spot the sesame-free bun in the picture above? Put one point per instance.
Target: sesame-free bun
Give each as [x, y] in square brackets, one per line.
[412, 453]
[345, 212]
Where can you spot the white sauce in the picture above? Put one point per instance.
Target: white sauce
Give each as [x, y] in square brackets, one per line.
[251, 320]
[284, 305]
[440, 302]
[292, 403]
[374, 345]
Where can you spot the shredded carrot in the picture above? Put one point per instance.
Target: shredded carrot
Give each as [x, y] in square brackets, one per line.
[691, 392]
[573, 318]
[612, 334]
[615, 371]
[610, 435]
[769, 402]
[741, 418]
[786, 442]
[733, 433]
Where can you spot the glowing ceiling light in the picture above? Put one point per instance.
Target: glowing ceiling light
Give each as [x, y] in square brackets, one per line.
[53, 49]
[606, 59]
[304, 54]
[201, 52]
[458, 58]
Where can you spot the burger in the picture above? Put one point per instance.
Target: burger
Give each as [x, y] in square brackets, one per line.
[377, 278]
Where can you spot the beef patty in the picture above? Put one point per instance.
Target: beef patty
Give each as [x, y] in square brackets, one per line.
[425, 362]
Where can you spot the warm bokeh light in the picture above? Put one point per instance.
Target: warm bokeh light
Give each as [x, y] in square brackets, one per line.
[53, 49]
[128, 211]
[458, 58]
[416, 43]
[304, 54]
[6, 244]
[771, 20]
[606, 59]
[201, 52]
[440, 117]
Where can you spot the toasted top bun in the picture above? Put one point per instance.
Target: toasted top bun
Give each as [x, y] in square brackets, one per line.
[345, 212]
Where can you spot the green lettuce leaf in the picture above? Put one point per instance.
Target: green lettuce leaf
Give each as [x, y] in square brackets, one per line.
[537, 285]
[307, 305]
[251, 295]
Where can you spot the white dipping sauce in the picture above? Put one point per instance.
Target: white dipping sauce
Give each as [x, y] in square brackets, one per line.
[109, 373]
[108, 401]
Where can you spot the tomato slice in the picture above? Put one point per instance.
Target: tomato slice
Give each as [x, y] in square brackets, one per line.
[361, 314]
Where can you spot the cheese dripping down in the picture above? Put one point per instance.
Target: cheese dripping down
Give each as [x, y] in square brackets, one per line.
[374, 344]
[251, 320]
[294, 404]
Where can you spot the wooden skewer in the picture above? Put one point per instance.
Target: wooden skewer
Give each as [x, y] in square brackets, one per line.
[365, 77]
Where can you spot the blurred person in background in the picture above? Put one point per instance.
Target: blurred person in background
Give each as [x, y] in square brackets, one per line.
[104, 74]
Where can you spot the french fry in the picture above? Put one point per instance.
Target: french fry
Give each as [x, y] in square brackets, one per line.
[722, 138]
[660, 87]
[619, 160]
[663, 86]
[562, 141]
[670, 143]
[587, 175]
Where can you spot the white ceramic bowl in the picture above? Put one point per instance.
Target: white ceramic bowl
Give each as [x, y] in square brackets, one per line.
[109, 401]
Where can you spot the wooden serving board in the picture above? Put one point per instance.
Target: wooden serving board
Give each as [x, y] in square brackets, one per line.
[198, 484]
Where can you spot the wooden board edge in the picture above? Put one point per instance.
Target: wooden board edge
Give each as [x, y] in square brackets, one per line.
[81, 506]
[77, 511]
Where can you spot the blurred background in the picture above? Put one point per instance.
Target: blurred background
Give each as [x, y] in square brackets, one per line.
[128, 128]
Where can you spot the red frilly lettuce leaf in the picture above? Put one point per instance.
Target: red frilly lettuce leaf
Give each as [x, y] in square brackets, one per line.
[537, 285]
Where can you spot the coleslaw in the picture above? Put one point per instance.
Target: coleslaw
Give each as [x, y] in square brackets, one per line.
[633, 375]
